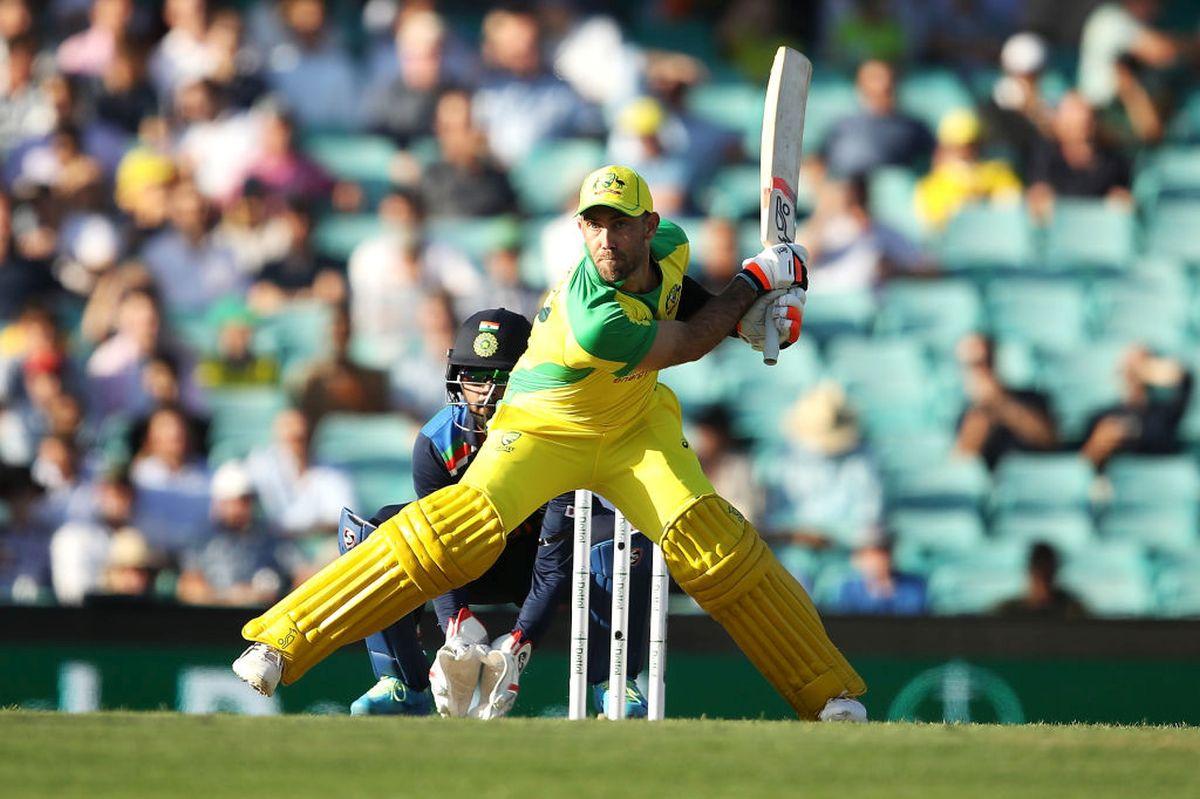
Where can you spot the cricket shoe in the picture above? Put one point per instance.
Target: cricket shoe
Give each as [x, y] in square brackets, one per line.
[843, 708]
[501, 677]
[261, 667]
[454, 675]
[636, 706]
[392, 697]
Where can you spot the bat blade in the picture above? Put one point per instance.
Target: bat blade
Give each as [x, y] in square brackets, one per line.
[779, 167]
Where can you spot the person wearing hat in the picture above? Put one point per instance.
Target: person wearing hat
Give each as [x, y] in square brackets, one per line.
[583, 408]
[958, 176]
[532, 572]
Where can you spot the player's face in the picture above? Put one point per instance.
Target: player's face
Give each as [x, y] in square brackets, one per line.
[481, 393]
[619, 244]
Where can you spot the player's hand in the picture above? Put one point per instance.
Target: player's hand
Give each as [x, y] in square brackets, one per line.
[783, 308]
[779, 266]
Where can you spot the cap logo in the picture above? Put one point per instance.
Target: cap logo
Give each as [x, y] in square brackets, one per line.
[608, 183]
[488, 327]
[486, 345]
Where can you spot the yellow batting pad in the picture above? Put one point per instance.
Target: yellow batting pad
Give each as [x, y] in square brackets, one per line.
[721, 561]
[443, 541]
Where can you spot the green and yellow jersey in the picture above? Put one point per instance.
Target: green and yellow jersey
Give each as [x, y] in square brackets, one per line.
[590, 336]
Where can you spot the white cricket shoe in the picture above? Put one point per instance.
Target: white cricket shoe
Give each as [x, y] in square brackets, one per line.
[843, 708]
[501, 677]
[261, 667]
[456, 666]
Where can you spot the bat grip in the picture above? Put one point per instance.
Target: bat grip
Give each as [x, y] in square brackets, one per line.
[770, 343]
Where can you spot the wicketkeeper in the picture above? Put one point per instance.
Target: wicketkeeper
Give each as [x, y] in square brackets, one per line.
[584, 409]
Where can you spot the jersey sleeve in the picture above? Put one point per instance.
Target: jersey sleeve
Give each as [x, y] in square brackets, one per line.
[429, 470]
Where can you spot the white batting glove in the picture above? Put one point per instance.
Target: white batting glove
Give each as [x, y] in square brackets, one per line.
[784, 309]
[779, 266]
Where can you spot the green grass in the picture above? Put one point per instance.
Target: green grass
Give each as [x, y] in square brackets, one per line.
[166, 755]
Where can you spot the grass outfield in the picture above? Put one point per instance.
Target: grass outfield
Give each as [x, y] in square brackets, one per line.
[167, 755]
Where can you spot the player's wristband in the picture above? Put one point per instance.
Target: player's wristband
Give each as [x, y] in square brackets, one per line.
[753, 280]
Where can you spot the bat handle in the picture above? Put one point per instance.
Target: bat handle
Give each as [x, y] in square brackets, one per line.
[770, 343]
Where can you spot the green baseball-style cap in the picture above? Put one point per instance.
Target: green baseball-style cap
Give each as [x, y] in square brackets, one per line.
[617, 187]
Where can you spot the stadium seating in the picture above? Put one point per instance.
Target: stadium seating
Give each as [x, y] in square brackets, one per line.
[1166, 531]
[296, 334]
[336, 235]
[241, 420]
[936, 313]
[987, 237]
[550, 174]
[1068, 531]
[1081, 382]
[928, 538]
[956, 483]
[1155, 482]
[1047, 314]
[1171, 230]
[1111, 579]
[979, 580]
[363, 438]
[1089, 235]
[1177, 587]
[1028, 482]
[890, 199]
[930, 94]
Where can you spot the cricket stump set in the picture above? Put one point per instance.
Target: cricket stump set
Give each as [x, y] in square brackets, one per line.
[580, 603]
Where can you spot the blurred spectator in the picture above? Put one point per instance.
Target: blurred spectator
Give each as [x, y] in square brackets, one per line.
[338, 383]
[183, 54]
[597, 39]
[280, 168]
[216, 144]
[1043, 597]
[521, 104]
[966, 34]
[670, 77]
[719, 253]
[464, 182]
[59, 471]
[26, 111]
[90, 52]
[89, 246]
[849, 250]
[143, 180]
[171, 481]
[637, 141]
[418, 378]
[114, 369]
[124, 96]
[315, 77]
[958, 176]
[998, 419]
[879, 134]
[728, 469]
[190, 268]
[22, 281]
[24, 543]
[235, 364]
[133, 565]
[60, 164]
[1118, 42]
[254, 230]
[237, 564]
[403, 108]
[1017, 115]
[1076, 163]
[235, 70]
[16, 20]
[79, 550]
[163, 386]
[303, 497]
[299, 271]
[840, 497]
[35, 374]
[877, 587]
[102, 311]
[1146, 421]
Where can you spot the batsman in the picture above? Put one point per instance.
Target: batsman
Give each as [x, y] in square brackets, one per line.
[584, 409]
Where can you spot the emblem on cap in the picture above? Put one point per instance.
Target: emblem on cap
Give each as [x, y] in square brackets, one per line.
[608, 183]
[486, 344]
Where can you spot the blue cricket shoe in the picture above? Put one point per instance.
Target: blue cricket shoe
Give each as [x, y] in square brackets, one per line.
[636, 706]
[391, 697]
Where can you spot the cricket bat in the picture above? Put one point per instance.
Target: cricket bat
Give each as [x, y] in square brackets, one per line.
[779, 167]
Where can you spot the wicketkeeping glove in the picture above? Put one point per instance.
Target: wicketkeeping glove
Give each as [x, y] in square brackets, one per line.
[779, 266]
[784, 309]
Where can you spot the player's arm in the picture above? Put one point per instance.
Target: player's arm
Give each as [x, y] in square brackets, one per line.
[779, 267]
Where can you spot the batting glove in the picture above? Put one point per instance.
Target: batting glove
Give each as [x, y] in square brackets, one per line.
[784, 309]
[779, 266]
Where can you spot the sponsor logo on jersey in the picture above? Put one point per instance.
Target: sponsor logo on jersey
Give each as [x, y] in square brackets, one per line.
[673, 297]
[486, 344]
[508, 439]
[629, 378]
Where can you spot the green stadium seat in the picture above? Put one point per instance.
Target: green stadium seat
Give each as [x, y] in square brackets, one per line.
[1027, 482]
[911, 450]
[829, 99]
[364, 438]
[1177, 587]
[357, 157]
[733, 193]
[1089, 234]
[925, 539]
[296, 334]
[1081, 382]
[477, 237]
[890, 196]
[1111, 579]
[801, 562]
[1169, 174]
[1147, 311]
[930, 94]
[957, 483]
[1160, 482]
[696, 384]
[1171, 231]
[827, 585]
[887, 381]
[741, 374]
[987, 237]
[979, 580]
[936, 313]
[734, 105]
[550, 175]
[838, 313]
[196, 330]
[378, 484]
[1170, 531]
[242, 419]
[1047, 314]
[1068, 531]
[336, 235]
